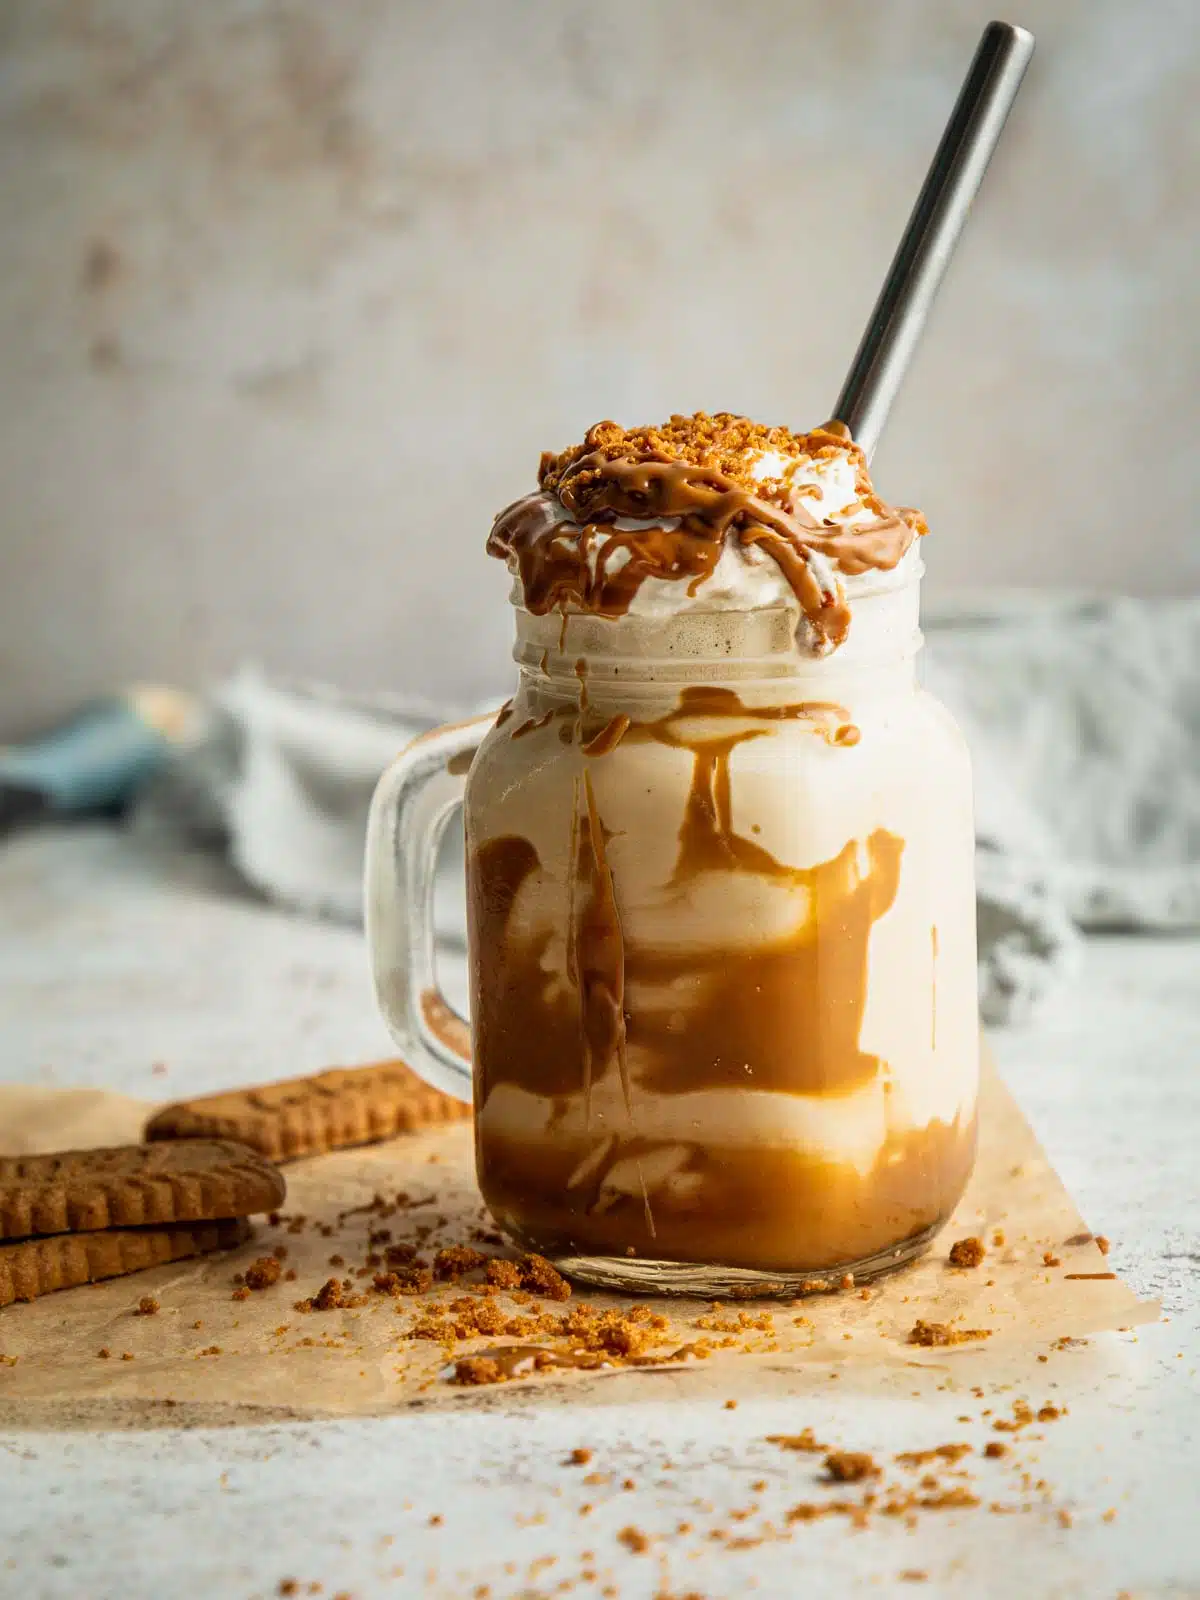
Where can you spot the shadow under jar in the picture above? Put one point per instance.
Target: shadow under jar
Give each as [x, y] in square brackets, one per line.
[722, 948]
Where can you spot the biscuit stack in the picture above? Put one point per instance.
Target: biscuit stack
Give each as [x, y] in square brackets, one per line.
[81, 1215]
[310, 1116]
[208, 1164]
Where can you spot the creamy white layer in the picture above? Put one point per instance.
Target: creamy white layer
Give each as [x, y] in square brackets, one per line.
[848, 1130]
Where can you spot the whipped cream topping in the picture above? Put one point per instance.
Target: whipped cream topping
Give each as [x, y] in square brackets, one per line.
[706, 514]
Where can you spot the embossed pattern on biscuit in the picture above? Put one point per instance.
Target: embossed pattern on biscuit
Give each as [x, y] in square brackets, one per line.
[131, 1186]
[306, 1116]
[35, 1267]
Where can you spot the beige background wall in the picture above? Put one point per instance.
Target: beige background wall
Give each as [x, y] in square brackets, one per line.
[293, 294]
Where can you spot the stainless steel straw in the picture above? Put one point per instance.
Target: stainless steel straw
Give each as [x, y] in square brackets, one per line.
[937, 219]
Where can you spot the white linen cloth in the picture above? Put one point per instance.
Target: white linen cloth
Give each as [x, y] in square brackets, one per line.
[1083, 719]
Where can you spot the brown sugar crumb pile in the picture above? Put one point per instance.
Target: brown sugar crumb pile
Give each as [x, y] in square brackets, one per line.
[147, 1306]
[967, 1252]
[941, 1333]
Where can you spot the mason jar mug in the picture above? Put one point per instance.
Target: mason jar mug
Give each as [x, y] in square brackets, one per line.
[724, 1027]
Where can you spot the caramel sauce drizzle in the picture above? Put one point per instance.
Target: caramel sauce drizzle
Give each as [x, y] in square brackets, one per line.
[445, 1023]
[597, 567]
[784, 1017]
[599, 959]
[609, 737]
[519, 1360]
[531, 724]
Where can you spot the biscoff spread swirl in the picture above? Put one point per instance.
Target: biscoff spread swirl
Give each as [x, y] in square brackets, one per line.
[703, 512]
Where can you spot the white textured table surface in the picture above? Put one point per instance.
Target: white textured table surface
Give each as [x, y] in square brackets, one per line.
[113, 959]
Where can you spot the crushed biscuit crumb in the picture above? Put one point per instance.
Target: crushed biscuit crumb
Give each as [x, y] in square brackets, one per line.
[635, 1540]
[942, 1452]
[849, 1466]
[539, 1277]
[263, 1273]
[805, 1440]
[456, 1260]
[416, 1278]
[967, 1252]
[941, 1333]
[473, 1370]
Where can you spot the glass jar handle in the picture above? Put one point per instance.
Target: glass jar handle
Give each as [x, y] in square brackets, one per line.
[409, 812]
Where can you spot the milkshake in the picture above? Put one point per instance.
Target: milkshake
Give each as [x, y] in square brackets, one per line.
[719, 866]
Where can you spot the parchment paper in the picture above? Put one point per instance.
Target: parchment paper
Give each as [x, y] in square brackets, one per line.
[206, 1354]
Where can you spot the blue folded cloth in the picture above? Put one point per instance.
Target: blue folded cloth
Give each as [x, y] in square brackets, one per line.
[98, 760]
[1083, 718]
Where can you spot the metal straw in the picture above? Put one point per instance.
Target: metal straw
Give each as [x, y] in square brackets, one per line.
[937, 219]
